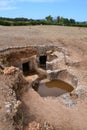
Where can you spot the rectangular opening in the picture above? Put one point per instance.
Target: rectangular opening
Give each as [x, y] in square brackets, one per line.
[26, 68]
[42, 61]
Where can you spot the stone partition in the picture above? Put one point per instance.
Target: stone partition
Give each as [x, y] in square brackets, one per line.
[63, 75]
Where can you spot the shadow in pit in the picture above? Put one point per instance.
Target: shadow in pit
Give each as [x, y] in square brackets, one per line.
[42, 61]
[26, 69]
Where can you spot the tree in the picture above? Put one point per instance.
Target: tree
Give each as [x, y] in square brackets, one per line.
[60, 20]
[66, 21]
[49, 19]
[72, 21]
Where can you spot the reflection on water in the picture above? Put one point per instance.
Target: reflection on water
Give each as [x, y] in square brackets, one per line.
[54, 88]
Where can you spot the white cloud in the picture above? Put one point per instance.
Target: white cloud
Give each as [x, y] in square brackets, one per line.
[10, 4]
[7, 4]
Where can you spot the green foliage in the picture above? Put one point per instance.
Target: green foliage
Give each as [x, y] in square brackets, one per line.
[47, 21]
[65, 21]
[5, 23]
[60, 20]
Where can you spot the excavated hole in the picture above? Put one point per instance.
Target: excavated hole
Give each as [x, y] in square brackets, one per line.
[42, 61]
[54, 88]
[26, 69]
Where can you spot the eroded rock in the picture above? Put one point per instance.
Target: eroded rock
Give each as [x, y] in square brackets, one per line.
[9, 70]
[56, 60]
[33, 81]
[63, 75]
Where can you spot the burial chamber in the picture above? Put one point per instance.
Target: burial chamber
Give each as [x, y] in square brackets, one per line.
[48, 62]
[48, 80]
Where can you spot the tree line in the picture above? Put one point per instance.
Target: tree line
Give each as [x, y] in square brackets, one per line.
[49, 20]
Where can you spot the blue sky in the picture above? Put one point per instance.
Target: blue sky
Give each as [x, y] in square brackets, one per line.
[39, 9]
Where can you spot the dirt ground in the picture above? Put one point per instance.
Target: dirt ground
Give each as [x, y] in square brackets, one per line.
[64, 112]
[74, 37]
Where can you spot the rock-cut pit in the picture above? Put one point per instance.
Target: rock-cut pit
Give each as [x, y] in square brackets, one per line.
[40, 76]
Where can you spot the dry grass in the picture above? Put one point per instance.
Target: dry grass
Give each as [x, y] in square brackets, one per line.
[35, 35]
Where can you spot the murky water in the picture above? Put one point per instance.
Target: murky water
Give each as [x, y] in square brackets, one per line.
[54, 88]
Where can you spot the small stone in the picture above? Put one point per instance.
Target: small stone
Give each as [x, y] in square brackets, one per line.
[8, 107]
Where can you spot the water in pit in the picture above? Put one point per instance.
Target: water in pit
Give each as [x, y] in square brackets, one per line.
[54, 88]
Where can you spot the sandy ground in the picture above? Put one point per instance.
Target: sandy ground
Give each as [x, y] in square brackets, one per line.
[39, 35]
